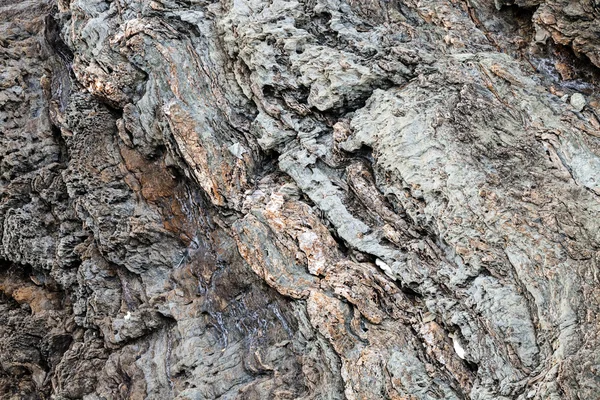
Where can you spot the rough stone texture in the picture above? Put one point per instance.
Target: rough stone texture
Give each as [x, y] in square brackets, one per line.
[313, 199]
[571, 23]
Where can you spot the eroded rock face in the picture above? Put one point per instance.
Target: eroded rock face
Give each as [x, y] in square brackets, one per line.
[571, 23]
[316, 199]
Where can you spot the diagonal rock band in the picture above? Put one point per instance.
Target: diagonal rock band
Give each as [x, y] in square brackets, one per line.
[312, 199]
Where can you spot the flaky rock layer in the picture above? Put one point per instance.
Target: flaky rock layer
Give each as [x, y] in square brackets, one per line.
[312, 199]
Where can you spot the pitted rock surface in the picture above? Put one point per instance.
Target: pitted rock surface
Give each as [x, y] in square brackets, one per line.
[311, 199]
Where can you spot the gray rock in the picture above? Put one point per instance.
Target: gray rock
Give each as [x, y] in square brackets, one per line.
[321, 199]
[578, 102]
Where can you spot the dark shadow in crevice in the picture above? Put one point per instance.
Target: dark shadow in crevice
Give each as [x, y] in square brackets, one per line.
[55, 42]
[63, 156]
[566, 69]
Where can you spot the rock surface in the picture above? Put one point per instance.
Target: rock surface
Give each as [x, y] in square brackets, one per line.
[312, 199]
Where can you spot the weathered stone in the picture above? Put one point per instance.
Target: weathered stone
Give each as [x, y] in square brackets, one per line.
[314, 199]
[578, 102]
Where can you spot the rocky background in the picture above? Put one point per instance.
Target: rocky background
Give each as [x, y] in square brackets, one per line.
[310, 199]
